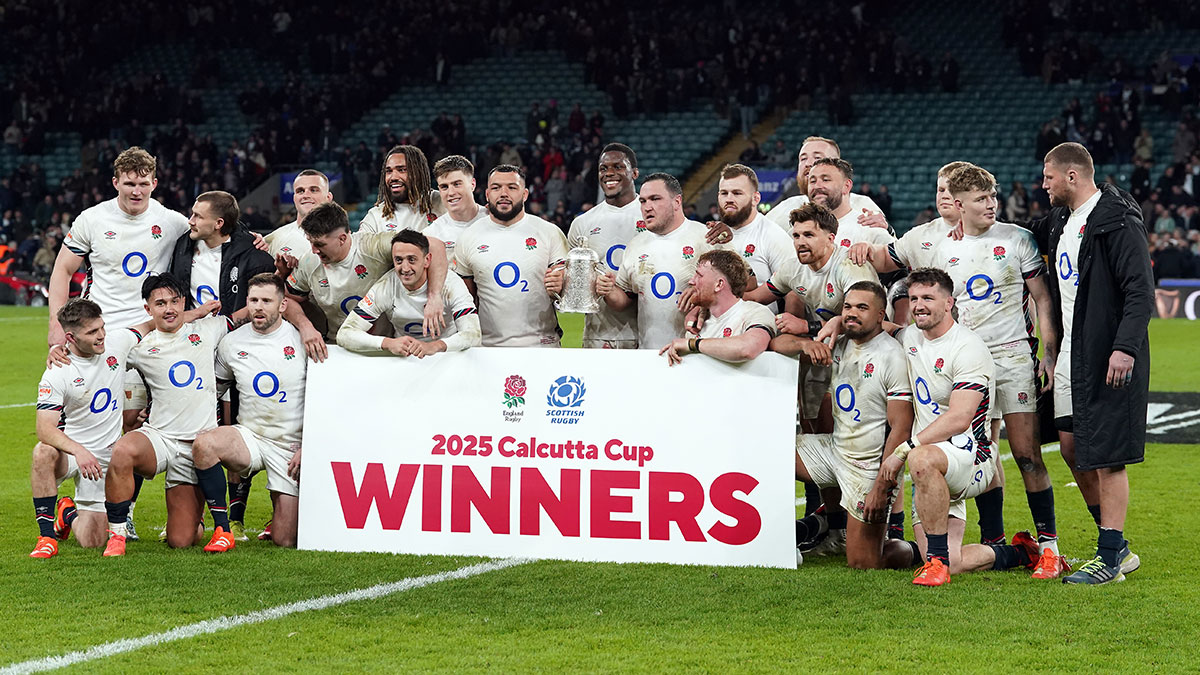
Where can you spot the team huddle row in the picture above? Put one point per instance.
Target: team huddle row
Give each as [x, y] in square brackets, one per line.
[807, 279]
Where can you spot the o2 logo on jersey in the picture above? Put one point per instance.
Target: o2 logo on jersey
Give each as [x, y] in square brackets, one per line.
[261, 389]
[987, 290]
[176, 375]
[921, 391]
[135, 264]
[564, 400]
[516, 276]
[99, 405]
[1066, 271]
[843, 396]
[655, 285]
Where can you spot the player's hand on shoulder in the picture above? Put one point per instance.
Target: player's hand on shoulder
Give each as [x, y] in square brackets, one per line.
[434, 320]
[56, 335]
[860, 253]
[718, 233]
[831, 330]
[260, 243]
[956, 232]
[790, 324]
[58, 356]
[284, 264]
[869, 219]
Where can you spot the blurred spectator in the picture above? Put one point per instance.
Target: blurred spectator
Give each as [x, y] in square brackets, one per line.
[1017, 205]
[1143, 147]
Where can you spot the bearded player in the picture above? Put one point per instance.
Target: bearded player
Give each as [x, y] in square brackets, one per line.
[813, 149]
[407, 200]
[265, 362]
[736, 330]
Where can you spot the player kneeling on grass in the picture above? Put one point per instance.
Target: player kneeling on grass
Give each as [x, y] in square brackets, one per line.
[176, 361]
[872, 415]
[81, 389]
[265, 360]
[950, 458]
[402, 296]
[735, 330]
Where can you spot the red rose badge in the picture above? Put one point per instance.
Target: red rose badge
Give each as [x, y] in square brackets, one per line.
[727, 332]
[998, 253]
[155, 232]
[112, 362]
[289, 352]
[749, 250]
[194, 339]
[361, 271]
[514, 391]
[937, 365]
[688, 252]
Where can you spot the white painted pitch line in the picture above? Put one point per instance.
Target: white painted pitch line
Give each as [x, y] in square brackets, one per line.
[15, 405]
[22, 318]
[1049, 449]
[227, 622]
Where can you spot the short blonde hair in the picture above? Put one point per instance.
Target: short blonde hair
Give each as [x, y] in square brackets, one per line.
[970, 178]
[950, 168]
[134, 160]
[821, 139]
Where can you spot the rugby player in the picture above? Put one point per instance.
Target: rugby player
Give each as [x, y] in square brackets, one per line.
[609, 228]
[872, 415]
[455, 177]
[765, 248]
[176, 362]
[505, 261]
[814, 148]
[401, 297]
[287, 243]
[264, 361]
[656, 264]
[406, 199]
[950, 456]
[829, 183]
[736, 330]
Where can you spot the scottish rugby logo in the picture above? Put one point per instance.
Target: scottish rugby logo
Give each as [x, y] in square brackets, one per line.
[565, 399]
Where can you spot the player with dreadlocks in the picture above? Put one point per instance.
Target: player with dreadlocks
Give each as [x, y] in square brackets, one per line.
[407, 200]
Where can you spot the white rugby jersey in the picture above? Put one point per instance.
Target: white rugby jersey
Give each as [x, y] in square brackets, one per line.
[780, 213]
[337, 287]
[823, 290]
[448, 229]
[1067, 265]
[269, 372]
[764, 247]
[206, 273]
[658, 268]
[89, 391]
[405, 217]
[957, 360]
[739, 318]
[609, 229]
[289, 240]
[850, 232]
[508, 264]
[121, 251]
[864, 378]
[989, 272]
[406, 310]
[179, 373]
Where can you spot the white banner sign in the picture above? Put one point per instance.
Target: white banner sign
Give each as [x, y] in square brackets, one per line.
[599, 455]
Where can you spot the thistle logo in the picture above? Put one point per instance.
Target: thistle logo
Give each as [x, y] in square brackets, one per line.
[564, 400]
[514, 398]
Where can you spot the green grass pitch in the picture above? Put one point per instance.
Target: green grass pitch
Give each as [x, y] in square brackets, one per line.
[555, 616]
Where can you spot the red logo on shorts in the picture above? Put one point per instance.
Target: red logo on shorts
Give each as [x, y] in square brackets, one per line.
[361, 271]
[1022, 398]
[727, 332]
